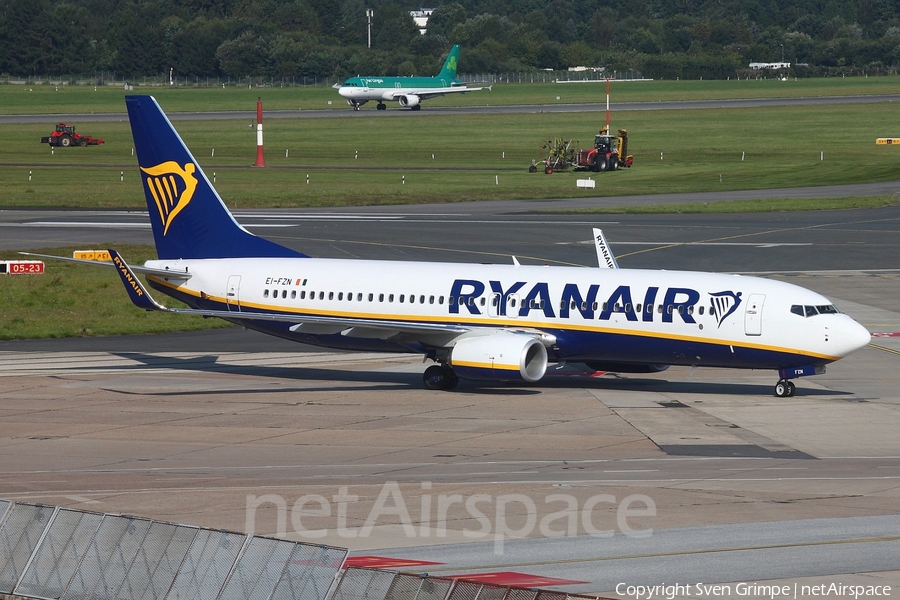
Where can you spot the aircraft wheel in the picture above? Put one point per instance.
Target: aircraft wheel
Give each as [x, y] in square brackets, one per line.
[791, 389]
[451, 379]
[416, 107]
[433, 377]
[381, 106]
[781, 388]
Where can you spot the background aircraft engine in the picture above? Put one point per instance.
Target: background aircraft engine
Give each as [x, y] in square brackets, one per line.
[500, 356]
[410, 100]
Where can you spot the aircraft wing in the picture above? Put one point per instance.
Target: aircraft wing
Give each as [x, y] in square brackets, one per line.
[427, 93]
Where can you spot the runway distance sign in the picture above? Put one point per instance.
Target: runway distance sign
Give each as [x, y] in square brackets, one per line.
[21, 267]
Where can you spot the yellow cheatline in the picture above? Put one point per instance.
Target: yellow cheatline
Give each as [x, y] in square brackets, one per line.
[98, 255]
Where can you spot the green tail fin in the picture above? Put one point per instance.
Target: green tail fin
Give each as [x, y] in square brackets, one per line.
[449, 70]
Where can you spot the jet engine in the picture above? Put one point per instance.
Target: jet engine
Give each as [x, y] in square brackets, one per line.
[500, 356]
[410, 100]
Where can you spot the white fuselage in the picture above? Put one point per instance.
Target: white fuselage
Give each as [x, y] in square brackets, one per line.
[670, 317]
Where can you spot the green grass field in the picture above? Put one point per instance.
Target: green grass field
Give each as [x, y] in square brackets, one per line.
[460, 158]
[72, 300]
[442, 158]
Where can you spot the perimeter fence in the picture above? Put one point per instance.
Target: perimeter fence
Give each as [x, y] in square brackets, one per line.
[363, 583]
[55, 553]
[64, 554]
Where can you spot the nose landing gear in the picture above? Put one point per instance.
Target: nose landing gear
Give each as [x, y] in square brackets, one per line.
[785, 388]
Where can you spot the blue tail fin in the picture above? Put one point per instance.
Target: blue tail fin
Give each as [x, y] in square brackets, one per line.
[449, 69]
[188, 216]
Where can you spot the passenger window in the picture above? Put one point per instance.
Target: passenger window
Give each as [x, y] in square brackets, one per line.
[701, 310]
[605, 306]
[659, 309]
[359, 297]
[321, 295]
[371, 297]
[628, 308]
[440, 299]
[331, 295]
[482, 300]
[430, 299]
[512, 302]
[402, 296]
[390, 297]
[381, 297]
[303, 295]
[449, 300]
[340, 296]
[293, 294]
[421, 299]
[412, 298]
[637, 308]
[669, 309]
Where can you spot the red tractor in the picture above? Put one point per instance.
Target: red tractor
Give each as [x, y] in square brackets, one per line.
[610, 152]
[65, 136]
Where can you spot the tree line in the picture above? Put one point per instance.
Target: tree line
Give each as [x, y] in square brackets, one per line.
[295, 39]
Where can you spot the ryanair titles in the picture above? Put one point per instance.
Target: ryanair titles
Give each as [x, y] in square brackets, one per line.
[520, 300]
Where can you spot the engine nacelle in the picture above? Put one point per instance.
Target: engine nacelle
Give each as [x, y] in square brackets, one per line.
[409, 100]
[500, 356]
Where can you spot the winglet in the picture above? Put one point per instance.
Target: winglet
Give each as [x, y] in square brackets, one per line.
[136, 291]
[605, 257]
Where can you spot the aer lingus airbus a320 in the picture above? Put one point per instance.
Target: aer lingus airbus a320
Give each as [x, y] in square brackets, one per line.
[408, 91]
[476, 321]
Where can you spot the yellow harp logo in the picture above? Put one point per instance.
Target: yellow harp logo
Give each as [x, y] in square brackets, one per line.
[172, 188]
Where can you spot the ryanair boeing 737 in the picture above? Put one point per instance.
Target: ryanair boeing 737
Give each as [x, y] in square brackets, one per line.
[493, 322]
[408, 91]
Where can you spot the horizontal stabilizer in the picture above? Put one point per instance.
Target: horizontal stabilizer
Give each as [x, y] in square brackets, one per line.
[169, 274]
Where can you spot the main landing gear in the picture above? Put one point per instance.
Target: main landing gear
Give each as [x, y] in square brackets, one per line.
[440, 377]
[784, 388]
[381, 106]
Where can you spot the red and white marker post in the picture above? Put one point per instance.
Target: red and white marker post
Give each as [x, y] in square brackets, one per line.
[260, 159]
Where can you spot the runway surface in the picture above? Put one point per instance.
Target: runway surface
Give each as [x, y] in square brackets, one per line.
[369, 111]
[237, 430]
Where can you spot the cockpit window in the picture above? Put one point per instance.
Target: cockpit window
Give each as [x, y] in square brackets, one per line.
[811, 311]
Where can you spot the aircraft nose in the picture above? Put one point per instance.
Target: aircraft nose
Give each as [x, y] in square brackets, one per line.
[851, 336]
